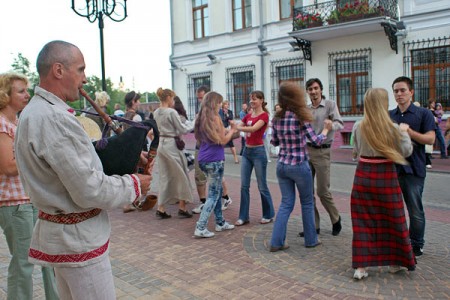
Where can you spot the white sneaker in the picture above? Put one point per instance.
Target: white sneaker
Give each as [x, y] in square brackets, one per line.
[360, 274]
[198, 209]
[225, 226]
[429, 167]
[205, 233]
[226, 202]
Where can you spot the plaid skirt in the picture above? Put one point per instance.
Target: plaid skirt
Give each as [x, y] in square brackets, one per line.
[380, 232]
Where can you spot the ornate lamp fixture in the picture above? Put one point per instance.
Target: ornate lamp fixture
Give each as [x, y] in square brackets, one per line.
[116, 10]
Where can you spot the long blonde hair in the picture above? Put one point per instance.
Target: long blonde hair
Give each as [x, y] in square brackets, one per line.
[377, 127]
[206, 125]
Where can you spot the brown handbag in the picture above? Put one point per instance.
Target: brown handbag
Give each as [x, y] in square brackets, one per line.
[180, 143]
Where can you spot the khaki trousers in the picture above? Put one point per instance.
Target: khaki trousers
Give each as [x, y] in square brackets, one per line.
[319, 161]
[199, 175]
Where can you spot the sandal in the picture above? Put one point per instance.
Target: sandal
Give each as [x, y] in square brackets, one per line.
[266, 221]
[163, 214]
[184, 214]
[240, 222]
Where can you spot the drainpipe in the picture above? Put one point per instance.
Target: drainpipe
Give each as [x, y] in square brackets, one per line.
[260, 43]
[172, 70]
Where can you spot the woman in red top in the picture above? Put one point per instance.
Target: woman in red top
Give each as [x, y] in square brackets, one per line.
[254, 125]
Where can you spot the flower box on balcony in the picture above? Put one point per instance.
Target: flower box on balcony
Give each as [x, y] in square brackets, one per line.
[303, 21]
[354, 11]
[354, 17]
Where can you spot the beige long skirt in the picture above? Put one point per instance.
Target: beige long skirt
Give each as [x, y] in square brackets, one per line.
[174, 182]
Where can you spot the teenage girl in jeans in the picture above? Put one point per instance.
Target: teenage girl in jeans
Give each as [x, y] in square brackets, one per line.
[211, 134]
[291, 130]
[254, 156]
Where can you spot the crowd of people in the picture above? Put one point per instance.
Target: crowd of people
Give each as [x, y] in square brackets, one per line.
[71, 227]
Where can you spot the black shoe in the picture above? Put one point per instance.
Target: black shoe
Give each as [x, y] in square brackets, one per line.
[163, 215]
[337, 227]
[418, 251]
[302, 234]
[184, 214]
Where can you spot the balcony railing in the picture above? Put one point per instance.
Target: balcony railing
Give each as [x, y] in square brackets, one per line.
[336, 12]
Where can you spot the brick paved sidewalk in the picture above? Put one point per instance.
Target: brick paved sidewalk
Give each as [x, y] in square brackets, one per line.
[160, 259]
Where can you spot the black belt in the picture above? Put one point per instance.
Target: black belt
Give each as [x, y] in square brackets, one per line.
[324, 146]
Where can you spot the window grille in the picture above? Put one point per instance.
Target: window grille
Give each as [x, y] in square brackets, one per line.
[240, 82]
[427, 63]
[194, 81]
[286, 70]
[350, 75]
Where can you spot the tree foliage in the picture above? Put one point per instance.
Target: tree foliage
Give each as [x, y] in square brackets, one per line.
[94, 84]
[21, 65]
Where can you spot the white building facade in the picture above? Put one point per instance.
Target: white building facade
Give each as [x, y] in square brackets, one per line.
[236, 46]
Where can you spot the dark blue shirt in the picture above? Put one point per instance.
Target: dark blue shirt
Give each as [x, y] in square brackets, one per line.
[421, 120]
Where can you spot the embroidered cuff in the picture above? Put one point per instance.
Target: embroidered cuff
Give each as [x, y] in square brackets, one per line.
[137, 187]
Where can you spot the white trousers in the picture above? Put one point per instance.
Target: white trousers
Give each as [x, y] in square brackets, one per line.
[92, 282]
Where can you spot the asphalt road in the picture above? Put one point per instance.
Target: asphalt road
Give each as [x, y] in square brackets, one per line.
[435, 193]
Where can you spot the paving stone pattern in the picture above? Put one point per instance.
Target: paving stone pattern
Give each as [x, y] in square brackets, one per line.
[161, 259]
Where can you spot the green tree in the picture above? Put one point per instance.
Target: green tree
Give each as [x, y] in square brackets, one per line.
[94, 84]
[21, 65]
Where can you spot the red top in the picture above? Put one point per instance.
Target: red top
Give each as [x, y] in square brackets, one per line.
[255, 138]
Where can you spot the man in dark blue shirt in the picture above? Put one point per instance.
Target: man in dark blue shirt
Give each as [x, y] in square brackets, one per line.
[412, 177]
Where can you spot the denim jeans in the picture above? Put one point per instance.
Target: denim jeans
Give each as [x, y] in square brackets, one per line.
[255, 157]
[289, 177]
[214, 172]
[412, 189]
[17, 223]
[440, 138]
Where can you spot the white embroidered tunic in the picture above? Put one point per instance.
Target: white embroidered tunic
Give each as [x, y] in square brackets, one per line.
[62, 174]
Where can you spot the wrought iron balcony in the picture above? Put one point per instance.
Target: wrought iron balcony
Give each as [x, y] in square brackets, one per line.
[336, 12]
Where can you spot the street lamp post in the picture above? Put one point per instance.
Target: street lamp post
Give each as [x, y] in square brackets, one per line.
[116, 10]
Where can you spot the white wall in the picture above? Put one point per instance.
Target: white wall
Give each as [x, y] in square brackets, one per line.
[423, 18]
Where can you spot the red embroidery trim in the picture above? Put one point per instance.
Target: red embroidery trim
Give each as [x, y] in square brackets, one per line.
[72, 218]
[68, 258]
[136, 186]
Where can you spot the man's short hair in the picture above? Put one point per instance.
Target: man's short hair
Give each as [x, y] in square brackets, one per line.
[404, 79]
[52, 52]
[203, 88]
[313, 80]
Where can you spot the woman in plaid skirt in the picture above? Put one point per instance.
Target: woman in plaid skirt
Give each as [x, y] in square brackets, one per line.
[380, 232]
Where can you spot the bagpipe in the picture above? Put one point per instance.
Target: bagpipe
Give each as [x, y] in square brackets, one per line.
[120, 153]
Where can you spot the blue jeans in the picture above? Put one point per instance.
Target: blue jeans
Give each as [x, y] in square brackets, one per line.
[214, 172]
[255, 157]
[289, 177]
[440, 138]
[412, 189]
[17, 223]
